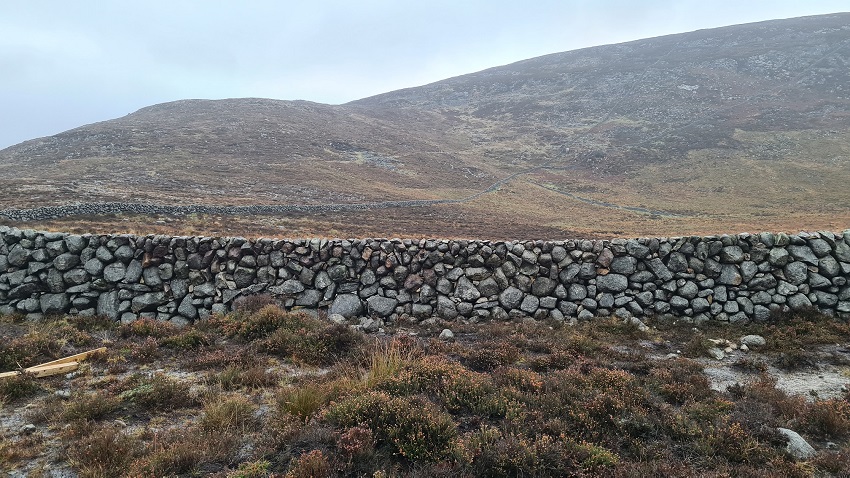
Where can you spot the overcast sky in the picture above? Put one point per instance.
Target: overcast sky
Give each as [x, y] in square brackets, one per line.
[64, 63]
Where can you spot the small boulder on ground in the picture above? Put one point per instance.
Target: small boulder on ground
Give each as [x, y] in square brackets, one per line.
[447, 335]
[753, 341]
[797, 446]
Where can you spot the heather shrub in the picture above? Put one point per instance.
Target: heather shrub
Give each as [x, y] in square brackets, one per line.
[249, 304]
[486, 356]
[313, 464]
[492, 452]
[18, 387]
[732, 441]
[145, 327]
[681, 380]
[145, 351]
[828, 419]
[236, 377]
[184, 452]
[186, 339]
[356, 441]
[251, 469]
[459, 390]
[89, 406]
[28, 350]
[158, 392]
[92, 323]
[591, 403]
[411, 426]
[255, 325]
[104, 452]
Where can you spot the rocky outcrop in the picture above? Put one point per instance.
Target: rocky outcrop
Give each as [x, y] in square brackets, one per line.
[730, 278]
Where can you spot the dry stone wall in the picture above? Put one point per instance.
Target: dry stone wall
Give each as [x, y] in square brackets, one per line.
[735, 278]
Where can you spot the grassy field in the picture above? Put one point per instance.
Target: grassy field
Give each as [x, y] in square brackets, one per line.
[263, 392]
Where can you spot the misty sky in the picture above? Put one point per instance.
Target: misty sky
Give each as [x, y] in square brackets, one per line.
[64, 63]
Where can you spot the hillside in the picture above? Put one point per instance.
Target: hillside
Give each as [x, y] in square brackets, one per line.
[730, 129]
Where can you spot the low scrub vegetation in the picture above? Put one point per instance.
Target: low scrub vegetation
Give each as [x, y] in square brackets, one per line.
[264, 392]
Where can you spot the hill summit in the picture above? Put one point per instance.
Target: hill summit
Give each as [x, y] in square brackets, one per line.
[737, 128]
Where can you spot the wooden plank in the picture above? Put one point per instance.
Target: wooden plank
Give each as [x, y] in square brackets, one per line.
[73, 358]
[55, 369]
[53, 366]
[45, 370]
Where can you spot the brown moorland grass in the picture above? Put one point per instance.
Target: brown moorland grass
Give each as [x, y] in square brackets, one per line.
[600, 398]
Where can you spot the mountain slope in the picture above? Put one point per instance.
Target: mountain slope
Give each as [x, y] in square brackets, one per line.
[744, 127]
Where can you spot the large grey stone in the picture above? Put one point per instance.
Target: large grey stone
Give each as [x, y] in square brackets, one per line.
[803, 253]
[124, 253]
[799, 301]
[322, 280]
[309, 298]
[796, 272]
[825, 299]
[820, 247]
[488, 287]
[108, 305]
[23, 291]
[421, 311]
[700, 304]
[114, 272]
[543, 286]
[679, 303]
[291, 287]
[689, 290]
[576, 292]
[187, 309]
[623, 265]
[659, 269]
[677, 262]
[346, 305]
[511, 297]
[761, 313]
[842, 251]
[729, 275]
[764, 282]
[829, 267]
[731, 255]
[75, 277]
[94, 267]
[466, 291]
[148, 302]
[778, 257]
[446, 308]
[381, 306]
[18, 256]
[66, 261]
[338, 273]
[75, 243]
[786, 289]
[477, 273]
[133, 273]
[54, 303]
[612, 283]
[636, 249]
[55, 281]
[530, 304]
[244, 277]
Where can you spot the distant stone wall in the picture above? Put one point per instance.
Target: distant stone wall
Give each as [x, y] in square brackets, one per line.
[735, 278]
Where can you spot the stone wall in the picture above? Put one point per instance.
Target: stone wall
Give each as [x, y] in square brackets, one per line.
[733, 278]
